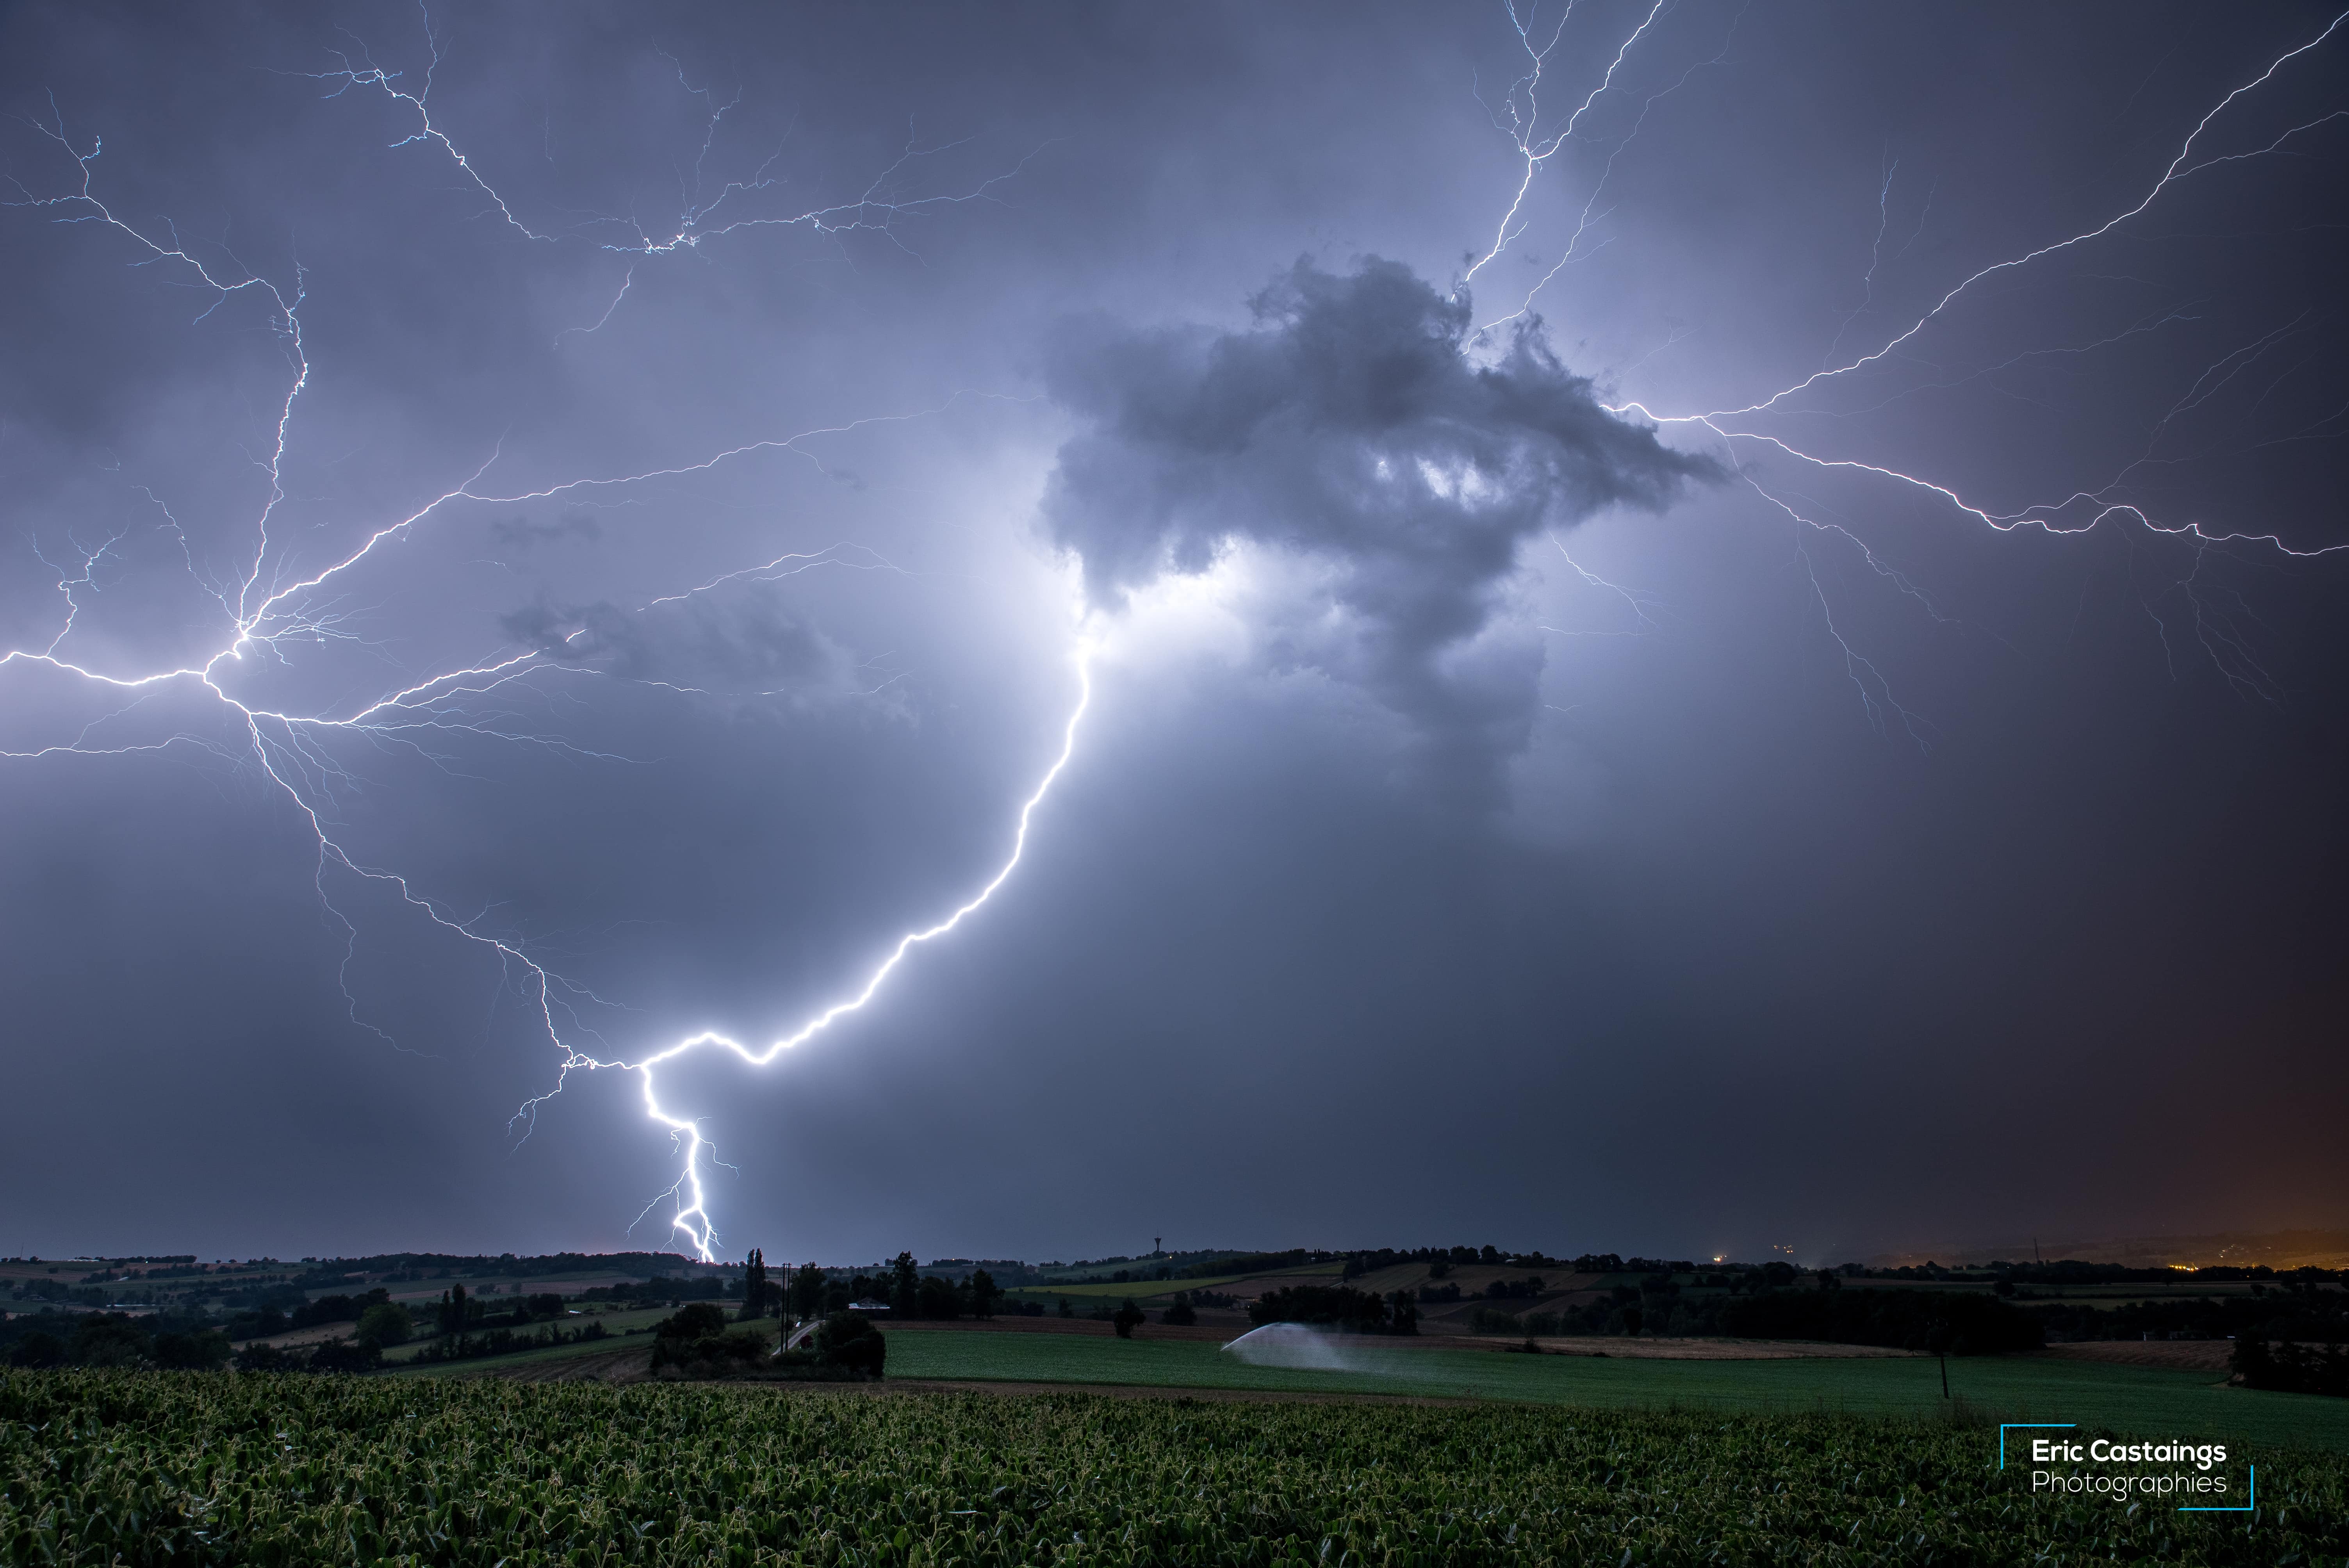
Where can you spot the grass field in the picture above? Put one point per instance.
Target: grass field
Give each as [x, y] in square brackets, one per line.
[156, 1468]
[2126, 1399]
[2153, 1401]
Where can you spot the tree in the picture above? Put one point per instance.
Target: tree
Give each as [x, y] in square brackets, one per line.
[847, 1340]
[1977, 1324]
[346, 1356]
[807, 1290]
[110, 1339]
[258, 1324]
[386, 1322]
[38, 1349]
[695, 1337]
[263, 1357]
[937, 1298]
[984, 1294]
[1403, 1313]
[1356, 1310]
[904, 1286]
[453, 1309]
[697, 1320]
[1180, 1314]
[1127, 1319]
[755, 1287]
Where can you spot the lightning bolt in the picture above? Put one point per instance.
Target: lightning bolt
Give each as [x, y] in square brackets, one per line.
[268, 612]
[2178, 169]
[879, 208]
[1521, 110]
[2081, 511]
[692, 1216]
[1539, 153]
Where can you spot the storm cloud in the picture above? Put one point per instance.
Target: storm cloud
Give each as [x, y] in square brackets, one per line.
[1352, 425]
[1392, 844]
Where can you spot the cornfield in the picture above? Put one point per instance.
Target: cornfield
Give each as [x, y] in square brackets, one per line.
[165, 1469]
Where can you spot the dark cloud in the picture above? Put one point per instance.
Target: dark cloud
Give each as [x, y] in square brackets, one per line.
[1732, 967]
[1353, 424]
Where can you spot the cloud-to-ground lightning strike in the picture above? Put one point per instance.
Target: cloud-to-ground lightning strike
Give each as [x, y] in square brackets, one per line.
[2079, 511]
[269, 611]
[692, 1215]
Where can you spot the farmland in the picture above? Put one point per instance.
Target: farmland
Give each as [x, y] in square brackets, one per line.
[143, 1468]
[1646, 1373]
[2023, 1388]
[1028, 1438]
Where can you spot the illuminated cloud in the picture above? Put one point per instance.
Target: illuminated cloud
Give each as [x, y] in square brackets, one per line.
[1351, 425]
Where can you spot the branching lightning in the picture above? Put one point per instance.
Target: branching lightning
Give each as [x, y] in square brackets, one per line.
[692, 1215]
[1734, 427]
[269, 612]
[879, 208]
[1521, 108]
[1536, 151]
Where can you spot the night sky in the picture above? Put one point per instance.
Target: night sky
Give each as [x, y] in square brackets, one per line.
[1508, 809]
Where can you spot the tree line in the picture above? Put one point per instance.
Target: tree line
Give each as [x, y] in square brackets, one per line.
[813, 1291]
[1961, 1322]
[1337, 1306]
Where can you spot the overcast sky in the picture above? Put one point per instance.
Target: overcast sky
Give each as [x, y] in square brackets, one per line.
[1508, 809]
